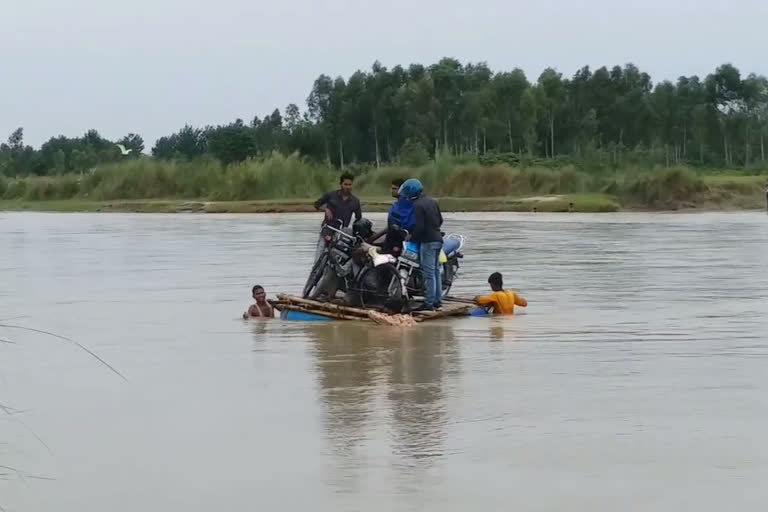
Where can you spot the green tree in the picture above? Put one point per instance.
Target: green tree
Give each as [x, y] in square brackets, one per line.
[188, 143]
[134, 142]
[529, 119]
[551, 99]
[232, 143]
[506, 94]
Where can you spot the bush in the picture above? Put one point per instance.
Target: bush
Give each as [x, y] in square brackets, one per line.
[413, 153]
[47, 188]
[15, 189]
[665, 186]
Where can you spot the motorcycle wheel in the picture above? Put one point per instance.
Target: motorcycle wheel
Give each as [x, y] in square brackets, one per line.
[314, 276]
[451, 269]
[380, 287]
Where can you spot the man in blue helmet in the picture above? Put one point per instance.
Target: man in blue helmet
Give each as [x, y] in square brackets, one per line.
[427, 221]
[400, 216]
[401, 211]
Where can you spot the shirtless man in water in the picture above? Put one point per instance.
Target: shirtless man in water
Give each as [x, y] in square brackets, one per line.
[262, 308]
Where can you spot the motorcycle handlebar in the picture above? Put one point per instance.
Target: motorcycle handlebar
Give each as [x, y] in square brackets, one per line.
[346, 235]
[398, 228]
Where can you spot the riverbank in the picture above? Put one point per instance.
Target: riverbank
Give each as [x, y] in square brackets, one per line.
[579, 203]
[583, 203]
[290, 184]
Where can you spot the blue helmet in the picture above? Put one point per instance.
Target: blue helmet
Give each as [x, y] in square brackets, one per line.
[411, 189]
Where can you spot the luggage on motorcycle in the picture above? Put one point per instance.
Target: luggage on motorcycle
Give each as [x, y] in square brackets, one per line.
[411, 250]
[452, 244]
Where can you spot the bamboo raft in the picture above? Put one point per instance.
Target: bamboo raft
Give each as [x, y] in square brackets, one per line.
[285, 303]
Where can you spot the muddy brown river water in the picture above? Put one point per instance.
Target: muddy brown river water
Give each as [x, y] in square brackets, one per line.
[637, 378]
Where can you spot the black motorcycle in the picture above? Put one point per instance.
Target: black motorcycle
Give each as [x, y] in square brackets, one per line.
[352, 266]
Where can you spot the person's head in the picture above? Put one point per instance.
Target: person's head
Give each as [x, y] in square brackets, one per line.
[345, 183]
[258, 293]
[396, 184]
[496, 282]
[411, 189]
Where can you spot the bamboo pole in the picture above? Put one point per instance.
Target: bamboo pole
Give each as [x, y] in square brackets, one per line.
[327, 306]
[421, 316]
[460, 307]
[327, 314]
[459, 300]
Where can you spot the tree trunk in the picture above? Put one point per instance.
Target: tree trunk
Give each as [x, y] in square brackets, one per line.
[376, 141]
[552, 134]
[725, 145]
[445, 135]
[389, 149]
[485, 142]
[341, 153]
[746, 147]
[327, 152]
[762, 148]
[701, 153]
[509, 133]
[685, 139]
[477, 141]
[621, 144]
[666, 154]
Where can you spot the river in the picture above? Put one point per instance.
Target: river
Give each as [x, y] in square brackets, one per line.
[636, 379]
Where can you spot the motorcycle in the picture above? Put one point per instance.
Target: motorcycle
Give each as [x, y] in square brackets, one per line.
[350, 265]
[409, 267]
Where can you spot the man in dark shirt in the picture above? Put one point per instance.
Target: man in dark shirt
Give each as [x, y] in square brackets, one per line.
[338, 205]
[427, 220]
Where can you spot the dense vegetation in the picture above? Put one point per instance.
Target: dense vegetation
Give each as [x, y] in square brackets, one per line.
[474, 185]
[606, 118]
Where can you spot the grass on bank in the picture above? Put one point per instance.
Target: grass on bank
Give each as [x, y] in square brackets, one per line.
[574, 202]
[147, 184]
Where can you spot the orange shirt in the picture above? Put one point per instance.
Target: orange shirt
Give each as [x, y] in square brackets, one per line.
[503, 302]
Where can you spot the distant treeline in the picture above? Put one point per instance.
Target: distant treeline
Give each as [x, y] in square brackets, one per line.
[605, 118]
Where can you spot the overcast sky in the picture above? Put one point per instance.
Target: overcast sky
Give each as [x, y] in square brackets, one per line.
[150, 66]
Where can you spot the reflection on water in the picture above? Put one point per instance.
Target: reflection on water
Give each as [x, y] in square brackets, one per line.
[635, 379]
[496, 332]
[383, 398]
[259, 327]
[361, 369]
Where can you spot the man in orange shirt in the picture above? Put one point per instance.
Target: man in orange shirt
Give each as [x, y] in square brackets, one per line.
[503, 301]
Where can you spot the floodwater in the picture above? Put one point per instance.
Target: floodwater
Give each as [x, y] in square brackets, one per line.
[637, 378]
